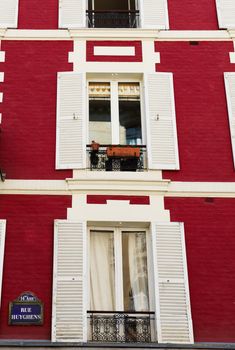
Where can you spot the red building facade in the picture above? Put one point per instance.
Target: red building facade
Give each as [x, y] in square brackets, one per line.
[137, 236]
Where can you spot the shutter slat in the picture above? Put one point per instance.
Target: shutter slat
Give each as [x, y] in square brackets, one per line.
[8, 13]
[226, 13]
[172, 294]
[161, 122]
[70, 121]
[69, 316]
[229, 79]
[154, 14]
[72, 13]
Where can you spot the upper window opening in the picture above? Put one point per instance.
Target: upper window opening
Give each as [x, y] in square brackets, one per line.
[112, 14]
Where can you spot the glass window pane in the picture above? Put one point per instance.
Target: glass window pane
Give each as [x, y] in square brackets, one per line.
[102, 271]
[135, 271]
[99, 113]
[130, 132]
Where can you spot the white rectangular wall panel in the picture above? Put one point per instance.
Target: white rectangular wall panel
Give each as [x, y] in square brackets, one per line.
[70, 137]
[174, 323]
[114, 51]
[69, 305]
[229, 79]
[8, 13]
[161, 122]
[2, 249]
[72, 13]
[226, 13]
[154, 14]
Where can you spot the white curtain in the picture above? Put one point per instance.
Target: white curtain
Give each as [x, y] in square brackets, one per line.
[138, 270]
[102, 271]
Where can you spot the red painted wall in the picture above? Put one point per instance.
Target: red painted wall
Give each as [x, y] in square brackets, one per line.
[29, 256]
[192, 15]
[27, 140]
[201, 109]
[38, 14]
[210, 244]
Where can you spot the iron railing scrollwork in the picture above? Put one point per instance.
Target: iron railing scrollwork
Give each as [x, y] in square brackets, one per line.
[112, 19]
[101, 161]
[120, 327]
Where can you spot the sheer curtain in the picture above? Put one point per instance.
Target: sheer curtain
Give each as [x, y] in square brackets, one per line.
[102, 271]
[138, 271]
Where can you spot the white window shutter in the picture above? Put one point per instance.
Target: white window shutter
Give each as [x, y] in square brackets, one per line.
[154, 14]
[70, 135]
[161, 122]
[226, 13]
[173, 312]
[9, 13]
[69, 281]
[72, 13]
[229, 79]
[2, 248]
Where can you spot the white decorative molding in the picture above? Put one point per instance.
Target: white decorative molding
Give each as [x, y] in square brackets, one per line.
[232, 55]
[1, 77]
[117, 34]
[1, 97]
[114, 50]
[125, 184]
[117, 211]
[2, 56]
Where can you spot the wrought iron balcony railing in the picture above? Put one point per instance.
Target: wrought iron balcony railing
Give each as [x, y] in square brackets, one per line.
[121, 327]
[112, 19]
[116, 158]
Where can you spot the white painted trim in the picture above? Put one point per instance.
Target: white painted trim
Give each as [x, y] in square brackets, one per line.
[231, 111]
[117, 211]
[1, 77]
[2, 56]
[54, 283]
[186, 281]
[2, 250]
[0, 118]
[114, 50]
[117, 34]
[143, 183]
[1, 97]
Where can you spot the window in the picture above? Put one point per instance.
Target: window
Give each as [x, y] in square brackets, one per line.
[112, 14]
[119, 306]
[119, 270]
[115, 113]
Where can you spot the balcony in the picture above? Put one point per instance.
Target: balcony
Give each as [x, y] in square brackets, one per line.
[121, 327]
[116, 158]
[113, 19]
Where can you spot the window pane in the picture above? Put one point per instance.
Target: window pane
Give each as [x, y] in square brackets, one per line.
[104, 5]
[102, 271]
[135, 271]
[99, 113]
[129, 114]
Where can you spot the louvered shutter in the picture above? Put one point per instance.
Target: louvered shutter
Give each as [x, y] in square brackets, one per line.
[72, 13]
[69, 306]
[161, 122]
[229, 79]
[70, 138]
[226, 13]
[154, 14]
[174, 324]
[8, 13]
[2, 248]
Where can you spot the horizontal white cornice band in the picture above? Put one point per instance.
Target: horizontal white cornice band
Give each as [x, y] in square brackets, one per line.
[117, 34]
[143, 186]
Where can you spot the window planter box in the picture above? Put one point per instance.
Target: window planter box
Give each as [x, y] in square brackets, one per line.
[126, 151]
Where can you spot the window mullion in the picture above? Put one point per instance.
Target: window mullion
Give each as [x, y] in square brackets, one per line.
[115, 112]
[118, 275]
